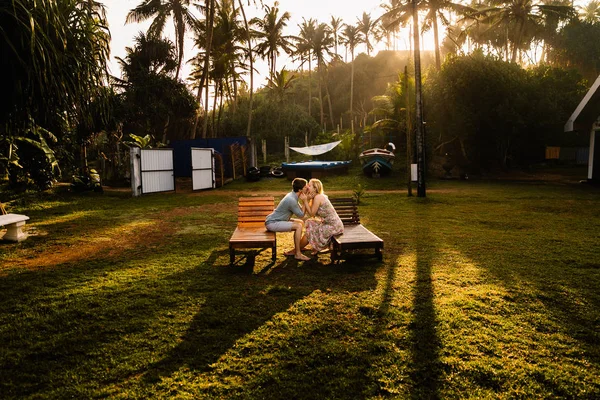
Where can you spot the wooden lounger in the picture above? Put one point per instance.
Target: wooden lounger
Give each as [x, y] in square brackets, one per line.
[250, 232]
[355, 235]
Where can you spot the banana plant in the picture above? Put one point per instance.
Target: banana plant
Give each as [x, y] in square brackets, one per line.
[35, 139]
[143, 142]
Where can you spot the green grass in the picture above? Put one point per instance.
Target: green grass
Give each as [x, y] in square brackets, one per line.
[487, 290]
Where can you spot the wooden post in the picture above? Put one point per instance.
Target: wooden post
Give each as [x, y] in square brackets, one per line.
[136, 174]
[306, 139]
[232, 152]
[287, 149]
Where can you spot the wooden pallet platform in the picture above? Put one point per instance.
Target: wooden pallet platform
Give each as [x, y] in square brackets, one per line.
[355, 236]
[250, 232]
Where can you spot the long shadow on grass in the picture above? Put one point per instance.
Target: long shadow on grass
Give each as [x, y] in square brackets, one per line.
[237, 303]
[550, 274]
[426, 367]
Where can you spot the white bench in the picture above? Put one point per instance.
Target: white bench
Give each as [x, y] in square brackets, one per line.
[14, 224]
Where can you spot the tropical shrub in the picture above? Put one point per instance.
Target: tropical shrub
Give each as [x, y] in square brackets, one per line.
[53, 65]
[495, 113]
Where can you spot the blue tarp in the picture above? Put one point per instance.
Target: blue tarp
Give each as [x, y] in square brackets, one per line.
[183, 156]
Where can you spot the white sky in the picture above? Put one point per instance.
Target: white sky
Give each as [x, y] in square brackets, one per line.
[321, 10]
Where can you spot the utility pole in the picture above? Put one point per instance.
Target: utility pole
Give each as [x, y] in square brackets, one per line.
[408, 132]
[420, 131]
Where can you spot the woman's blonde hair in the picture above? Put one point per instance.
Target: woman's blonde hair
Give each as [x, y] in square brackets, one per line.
[317, 184]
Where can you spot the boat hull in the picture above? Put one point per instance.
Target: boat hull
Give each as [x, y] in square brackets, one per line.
[376, 162]
[376, 167]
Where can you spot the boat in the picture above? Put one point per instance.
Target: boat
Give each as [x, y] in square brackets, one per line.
[377, 162]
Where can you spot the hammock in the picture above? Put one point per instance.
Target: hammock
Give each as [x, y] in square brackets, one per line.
[316, 150]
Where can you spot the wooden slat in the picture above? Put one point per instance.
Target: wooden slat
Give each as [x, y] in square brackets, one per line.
[251, 232]
[253, 207]
[355, 235]
[257, 198]
[347, 210]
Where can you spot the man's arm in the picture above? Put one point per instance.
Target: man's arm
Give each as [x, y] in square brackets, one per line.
[296, 209]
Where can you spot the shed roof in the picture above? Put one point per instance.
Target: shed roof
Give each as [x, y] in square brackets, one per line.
[587, 111]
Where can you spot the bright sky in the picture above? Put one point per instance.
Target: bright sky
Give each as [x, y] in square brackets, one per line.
[321, 10]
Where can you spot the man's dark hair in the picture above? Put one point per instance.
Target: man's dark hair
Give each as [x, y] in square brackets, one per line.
[298, 184]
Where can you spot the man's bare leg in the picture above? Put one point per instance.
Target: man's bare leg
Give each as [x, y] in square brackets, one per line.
[298, 226]
[297, 238]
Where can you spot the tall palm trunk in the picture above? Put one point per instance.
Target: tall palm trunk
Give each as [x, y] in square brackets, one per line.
[180, 28]
[249, 127]
[517, 41]
[214, 109]
[322, 120]
[329, 99]
[309, 84]
[204, 77]
[210, 25]
[420, 134]
[436, 41]
[220, 114]
[232, 97]
[352, 90]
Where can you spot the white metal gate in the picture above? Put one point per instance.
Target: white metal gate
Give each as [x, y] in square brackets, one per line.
[152, 171]
[203, 168]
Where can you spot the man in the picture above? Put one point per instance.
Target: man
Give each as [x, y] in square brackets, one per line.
[281, 219]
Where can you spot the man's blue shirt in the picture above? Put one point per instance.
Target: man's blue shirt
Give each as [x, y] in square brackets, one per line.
[286, 207]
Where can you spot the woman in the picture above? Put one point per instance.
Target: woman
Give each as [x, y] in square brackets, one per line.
[327, 223]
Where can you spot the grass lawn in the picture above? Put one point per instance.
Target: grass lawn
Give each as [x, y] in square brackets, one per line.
[488, 289]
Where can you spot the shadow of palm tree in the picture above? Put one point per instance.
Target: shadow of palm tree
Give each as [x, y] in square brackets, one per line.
[426, 368]
[240, 301]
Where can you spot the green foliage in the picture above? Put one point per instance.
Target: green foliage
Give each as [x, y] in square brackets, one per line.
[153, 102]
[54, 65]
[344, 151]
[358, 192]
[574, 48]
[499, 113]
[272, 121]
[144, 142]
[553, 95]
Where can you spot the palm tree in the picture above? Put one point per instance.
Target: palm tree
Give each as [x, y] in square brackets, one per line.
[435, 11]
[351, 37]
[279, 84]
[399, 14]
[335, 24]
[250, 58]
[304, 46]
[270, 35]
[521, 19]
[149, 55]
[590, 12]
[160, 11]
[368, 27]
[153, 100]
[228, 36]
[321, 48]
[54, 58]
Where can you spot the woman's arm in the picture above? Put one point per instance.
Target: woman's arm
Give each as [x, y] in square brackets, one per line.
[313, 206]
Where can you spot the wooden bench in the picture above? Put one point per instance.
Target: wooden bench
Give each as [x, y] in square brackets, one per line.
[14, 227]
[250, 232]
[355, 235]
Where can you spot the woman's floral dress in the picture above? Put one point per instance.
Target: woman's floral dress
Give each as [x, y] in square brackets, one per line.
[326, 224]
